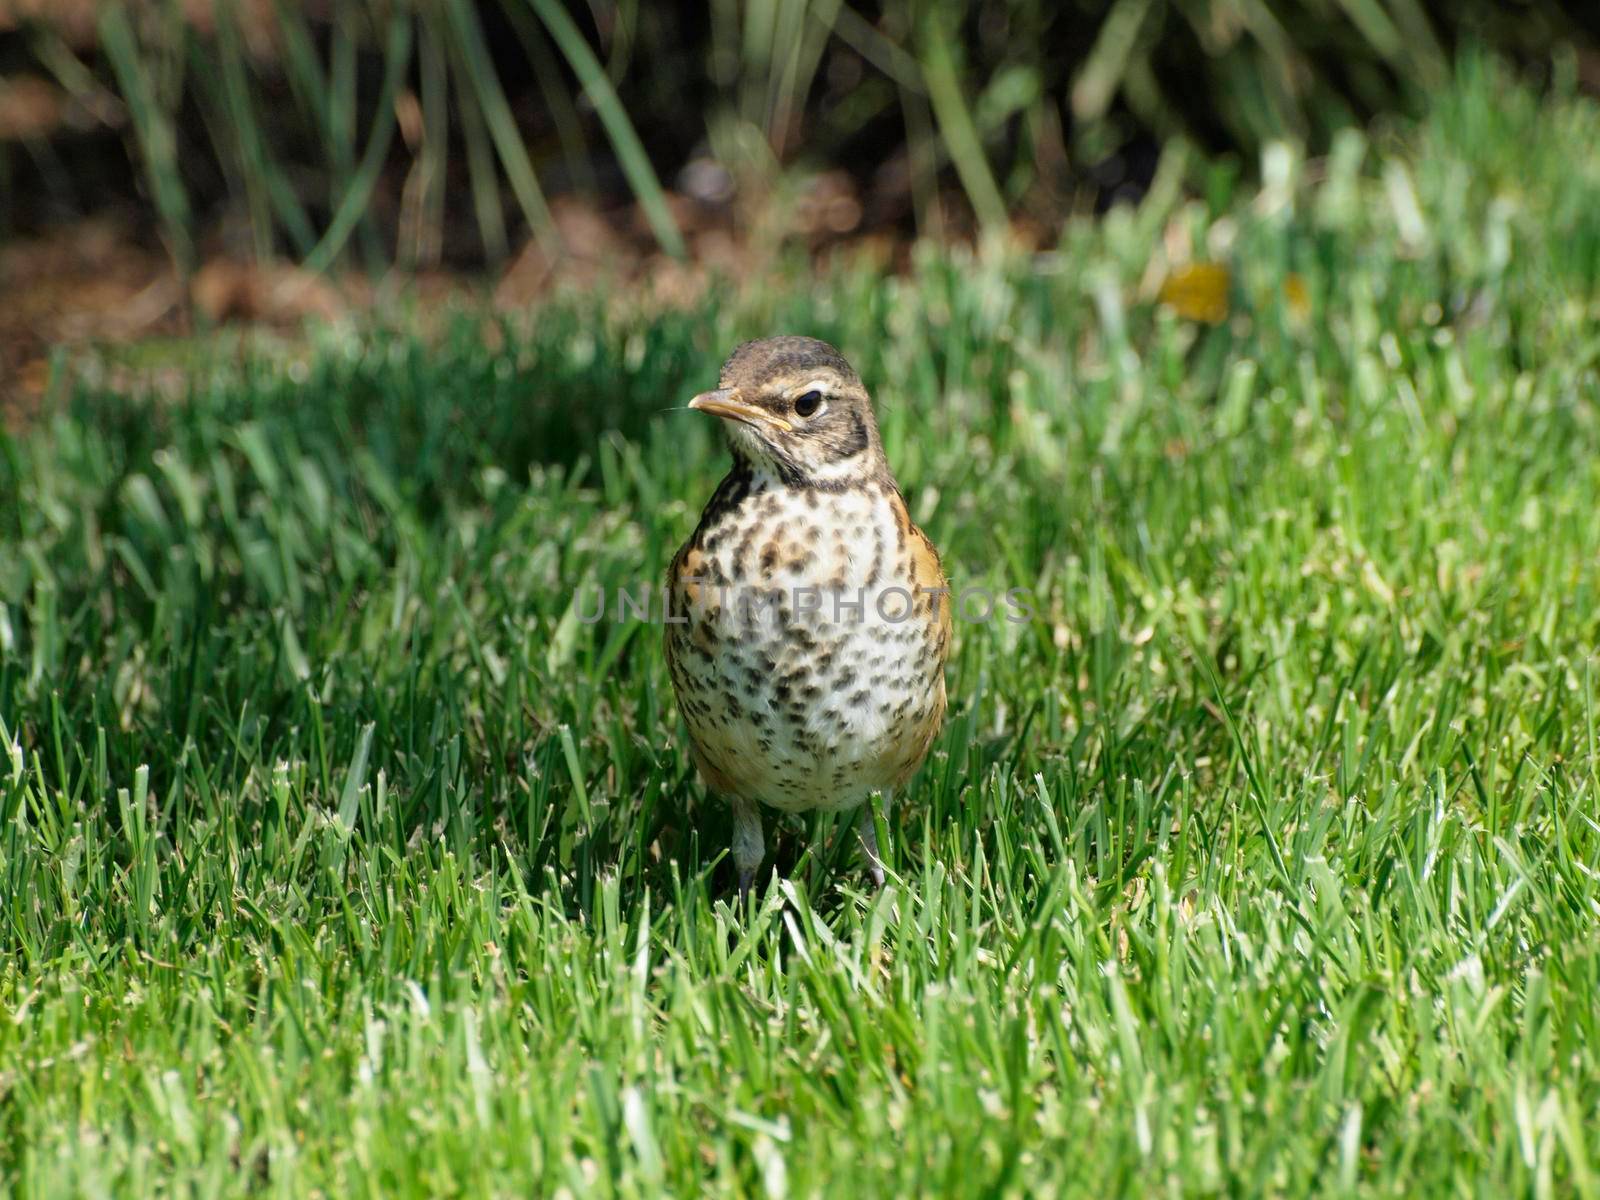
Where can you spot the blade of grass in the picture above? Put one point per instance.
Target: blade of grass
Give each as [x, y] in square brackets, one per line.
[53, 53]
[491, 98]
[625, 142]
[240, 126]
[421, 233]
[154, 132]
[923, 154]
[264, 176]
[343, 111]
[883, 52]
[318, 93]
[955, 123]
[302, 66]
[807, 39]
[569, 126]
[397, 54]
[435, 148]
[480, 164]
[1103, 70]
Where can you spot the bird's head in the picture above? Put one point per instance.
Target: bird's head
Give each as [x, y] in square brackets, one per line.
[794, 407]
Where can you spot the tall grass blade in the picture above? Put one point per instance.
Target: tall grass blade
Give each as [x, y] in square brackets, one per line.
[1104, 70]
[481, 172]
[569, 125]
[270, 190]
[155, 132]
[956, 124]
[397, 54]
[468, 37]
[625, 142]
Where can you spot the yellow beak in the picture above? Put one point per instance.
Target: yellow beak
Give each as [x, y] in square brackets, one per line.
[725, 402]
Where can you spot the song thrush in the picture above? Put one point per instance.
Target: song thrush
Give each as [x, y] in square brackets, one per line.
[809, 620]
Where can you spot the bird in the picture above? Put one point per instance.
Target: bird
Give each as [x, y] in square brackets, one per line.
[808, 621]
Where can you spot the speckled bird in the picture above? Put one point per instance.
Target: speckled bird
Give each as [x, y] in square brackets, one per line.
[809, 619]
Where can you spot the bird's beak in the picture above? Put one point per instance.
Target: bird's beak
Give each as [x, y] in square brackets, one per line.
[725, 402]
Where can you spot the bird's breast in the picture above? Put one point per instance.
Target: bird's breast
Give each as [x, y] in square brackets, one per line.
[808, 644]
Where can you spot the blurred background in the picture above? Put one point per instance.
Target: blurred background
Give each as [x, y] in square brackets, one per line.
[175, 164]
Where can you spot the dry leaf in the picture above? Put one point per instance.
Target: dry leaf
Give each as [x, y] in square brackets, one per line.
[1297, 296]
[1198, 292]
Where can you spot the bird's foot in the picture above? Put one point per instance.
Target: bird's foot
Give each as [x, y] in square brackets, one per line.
[875, 873]
[747, 849]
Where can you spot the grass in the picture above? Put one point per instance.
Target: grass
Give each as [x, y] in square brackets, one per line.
[285, 116]
[337, 855]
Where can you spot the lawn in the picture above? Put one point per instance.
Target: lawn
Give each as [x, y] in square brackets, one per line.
[338, 855]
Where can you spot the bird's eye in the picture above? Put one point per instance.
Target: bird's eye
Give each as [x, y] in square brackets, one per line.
[808, 404]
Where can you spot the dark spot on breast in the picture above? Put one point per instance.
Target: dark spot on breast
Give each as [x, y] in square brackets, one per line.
[747, 541]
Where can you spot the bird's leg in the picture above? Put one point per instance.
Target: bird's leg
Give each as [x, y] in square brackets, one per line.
[869, 838]
[747, 848]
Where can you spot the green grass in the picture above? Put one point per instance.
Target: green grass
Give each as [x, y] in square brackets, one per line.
[336, 854]
[285, 115]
